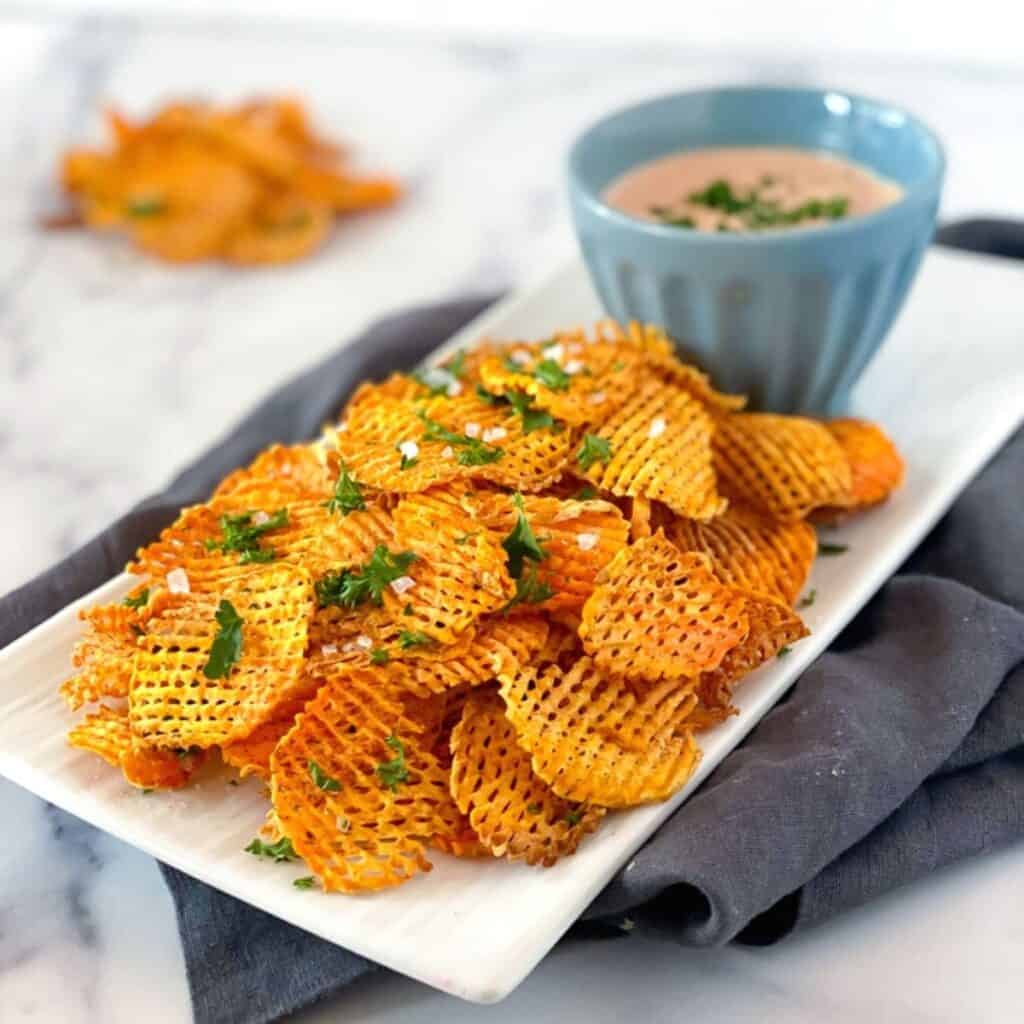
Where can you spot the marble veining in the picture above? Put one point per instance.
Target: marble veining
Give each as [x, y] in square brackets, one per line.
[115, 371]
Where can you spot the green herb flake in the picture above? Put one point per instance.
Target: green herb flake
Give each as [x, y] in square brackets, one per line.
[593, 449]
[321, 780]
[522, 542]
[486, 396]
[829, 550]
[140, 600]
[533, 418]
[588, 492]
[530, 589]
[808, 599]
[279, 852]
[551, 375]
[394, 772]
[409, 638]
[407, 610]
[351, 588]
[227, 644]
[573, 818]
[309, 882]
[533, 808]
[783, 651]
[379, 656]
[456, 366]
[145, 206]
[472, 452]
[242, 534]
[348, 495]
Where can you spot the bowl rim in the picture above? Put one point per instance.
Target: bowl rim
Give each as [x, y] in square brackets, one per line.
[930, 186]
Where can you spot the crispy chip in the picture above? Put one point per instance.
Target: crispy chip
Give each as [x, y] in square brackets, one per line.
[787, 466]
[174, 704]
[514, 813]
[569, 723]
[579, 538]
[752, 551]
[876, 467]
[103, 655]
[391, 797]
[639, 519]
[251, 755]
[299, 465]
[660, 448]
[107, 734]
[658, 613]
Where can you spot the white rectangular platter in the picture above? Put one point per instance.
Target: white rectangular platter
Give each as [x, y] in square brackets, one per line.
[948, 385]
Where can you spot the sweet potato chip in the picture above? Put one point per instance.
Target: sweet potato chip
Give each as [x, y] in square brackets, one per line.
[752, 551]
[568, 723]
[363, 815]
[786, 466]
[251, 755]
[175, 702]
[658, 613]
[656, 446]
[103, 654]
[876, 468]
[299, 465]
[514, 813]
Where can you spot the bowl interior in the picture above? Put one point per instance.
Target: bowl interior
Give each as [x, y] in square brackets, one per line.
[889, 141]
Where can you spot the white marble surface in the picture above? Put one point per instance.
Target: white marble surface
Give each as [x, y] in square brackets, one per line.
[116, 371]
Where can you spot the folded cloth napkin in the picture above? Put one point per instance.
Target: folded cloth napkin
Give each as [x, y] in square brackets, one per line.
[900, 750]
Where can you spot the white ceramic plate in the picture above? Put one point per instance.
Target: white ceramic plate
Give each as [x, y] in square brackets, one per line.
[950, 394]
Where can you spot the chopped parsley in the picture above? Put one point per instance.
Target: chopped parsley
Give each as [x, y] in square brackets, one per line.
[280, 851]
[783, 651]
[833, 549]
[530, 589]
[486, 396]
[407, 610]
[466, 537]
[456, 366]
[755, 210]
[593, 449]
[586, 493]
[409, 638]
[522, 542]
[533, 418]
[379, 656]
[808, 600]
[227, 644]
[351, 588]
[533, 808]
[322, 780]
[240, 533]
[472, 451]
[348, 495]
[140, 600]
[394, 772]
[551, 375]
[574, 817]
[667, 217]
[145, 206]
[309, 882]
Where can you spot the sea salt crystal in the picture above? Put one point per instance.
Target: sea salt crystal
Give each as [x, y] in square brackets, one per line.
[494, 434]
[447, 451]
[573, 366]
[453, 389]
[520, 356]
[363, 642]
[177, 582]
[402, 584]
[328, 649]
[596, 397]
[471, 429]
[342, 427]
[658, 426]
[260, 517]
[409, 449]
[587, 541]
[556, 352]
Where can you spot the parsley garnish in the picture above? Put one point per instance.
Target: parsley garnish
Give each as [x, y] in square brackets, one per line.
[145, 206]
[280, 851]
[586, 493]
[227, 644]
[522, 542]
[533, 418]
[379, 656]
[309, 882]
[574, 817]
[466, 537]
[486, 396]
[551, 375]
[321, 780]
[594, 449]
[758, 212]
[833, 549]
[348, 495]
[533, 808]
[351, 588]
[530, 589]
[407, 610]
[240, 533]
[472, 452]
[807, 601]
[392, 773]
[456, 366]
[140, 600]
[783, 651]
[413, 638]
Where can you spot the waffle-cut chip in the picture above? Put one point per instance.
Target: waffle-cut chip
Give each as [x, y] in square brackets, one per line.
[786, 466]
[174, 704]
[639, 519]
[251, 755]
[391, 798]
[876, 467]
[659, 707]
[562, 646]
[752, 551]
[568, 722]
[658, 613]
[579, 538]
[514, 814]
[773, 625]
[299, 466]
[107, 733]
[314, 538]
[103, 654]
[660, 448]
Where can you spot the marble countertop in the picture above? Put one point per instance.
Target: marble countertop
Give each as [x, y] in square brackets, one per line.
[116, 371]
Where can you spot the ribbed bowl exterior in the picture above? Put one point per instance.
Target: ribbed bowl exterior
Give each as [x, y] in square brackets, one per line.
[789, 318]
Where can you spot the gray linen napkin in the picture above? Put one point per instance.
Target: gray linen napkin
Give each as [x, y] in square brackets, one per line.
[900, 750]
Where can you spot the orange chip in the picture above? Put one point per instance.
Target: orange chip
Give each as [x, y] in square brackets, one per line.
[578, 537]
[280, 228]
[514, 813]
[569, 722]
[639, 519]
[362, 818]
[251, 755]
[658, 613]
[103, 655]
[659, 445]
[876, 467]
[787, 466]
[298, 465]
[108, 734]
[174, 704]
[751, 551]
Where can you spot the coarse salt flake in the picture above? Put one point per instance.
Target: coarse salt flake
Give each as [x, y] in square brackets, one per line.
[177, 582]
[494, 434]
[447, 451]
[520, 357]
[556, 352]
[402, 584]
[409, 449]
[363, 642]
[260, 517]
[328, 649]
[455, 388]
[573, 366]
[596, 397]
[587, 541]
[658, 425]
[471, 429]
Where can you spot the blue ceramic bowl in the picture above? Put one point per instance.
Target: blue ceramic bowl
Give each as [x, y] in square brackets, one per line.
[790, 317]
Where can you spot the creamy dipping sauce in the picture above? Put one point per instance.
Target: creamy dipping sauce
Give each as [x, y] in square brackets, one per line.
[749, 188]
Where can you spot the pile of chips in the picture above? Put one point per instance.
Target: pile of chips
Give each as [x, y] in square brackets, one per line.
[496, 600]
[250, 184]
